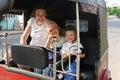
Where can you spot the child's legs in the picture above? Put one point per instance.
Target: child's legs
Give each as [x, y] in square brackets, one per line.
[73, 70]
[48, 71]
[39, 71]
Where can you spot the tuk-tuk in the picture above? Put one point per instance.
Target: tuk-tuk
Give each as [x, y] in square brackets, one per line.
[90, 17]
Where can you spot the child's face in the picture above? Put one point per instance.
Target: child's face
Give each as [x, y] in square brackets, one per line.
[70, 36]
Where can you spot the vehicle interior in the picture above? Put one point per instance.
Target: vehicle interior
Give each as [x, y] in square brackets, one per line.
[63, 13]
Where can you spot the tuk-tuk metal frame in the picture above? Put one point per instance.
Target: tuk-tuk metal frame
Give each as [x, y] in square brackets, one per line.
[104, 51]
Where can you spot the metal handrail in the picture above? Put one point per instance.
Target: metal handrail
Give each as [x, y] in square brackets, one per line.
[54, 60]
[54, 65]
[6, 42]
[78, 47]
[78, 41]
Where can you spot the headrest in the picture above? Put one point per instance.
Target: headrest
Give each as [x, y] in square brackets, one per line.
[32, 56]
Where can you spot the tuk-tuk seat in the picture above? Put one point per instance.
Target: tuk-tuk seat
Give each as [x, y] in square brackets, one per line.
[88, 64]
[92, 54]
[33, 56]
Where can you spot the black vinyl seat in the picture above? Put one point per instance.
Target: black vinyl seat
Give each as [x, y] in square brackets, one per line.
[92, 51]
[88, 64]
[33, 56]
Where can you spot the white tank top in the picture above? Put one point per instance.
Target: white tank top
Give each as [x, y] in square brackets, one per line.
[39, 34]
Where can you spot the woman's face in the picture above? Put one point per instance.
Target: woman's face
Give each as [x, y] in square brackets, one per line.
[70, 36]
[40, 16]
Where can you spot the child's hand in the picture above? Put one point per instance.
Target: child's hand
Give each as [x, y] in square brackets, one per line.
[78, 51]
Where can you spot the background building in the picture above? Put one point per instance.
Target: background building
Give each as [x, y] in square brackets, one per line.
[11, 22]
[112, 3]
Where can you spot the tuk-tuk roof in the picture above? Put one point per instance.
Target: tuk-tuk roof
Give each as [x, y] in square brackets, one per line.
[93, 2]
[30, 4]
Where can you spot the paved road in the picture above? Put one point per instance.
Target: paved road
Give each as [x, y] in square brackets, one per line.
[12, 39]
[114, 48]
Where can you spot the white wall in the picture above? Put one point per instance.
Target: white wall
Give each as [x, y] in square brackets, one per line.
[20, 18]
[111, 3]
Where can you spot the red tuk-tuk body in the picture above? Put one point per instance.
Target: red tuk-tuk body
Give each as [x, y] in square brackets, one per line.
[8, 75]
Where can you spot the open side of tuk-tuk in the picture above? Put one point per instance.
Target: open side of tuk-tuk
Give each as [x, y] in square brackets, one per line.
[90, 19]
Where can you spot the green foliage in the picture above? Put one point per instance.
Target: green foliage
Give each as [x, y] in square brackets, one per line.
[114, 11]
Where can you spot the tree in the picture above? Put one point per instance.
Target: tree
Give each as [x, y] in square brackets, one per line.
[114, 11]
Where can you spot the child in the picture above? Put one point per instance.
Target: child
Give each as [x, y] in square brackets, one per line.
[70, 47]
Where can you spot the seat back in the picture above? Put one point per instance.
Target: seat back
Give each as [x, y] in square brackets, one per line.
[92, 51]
[32, 56]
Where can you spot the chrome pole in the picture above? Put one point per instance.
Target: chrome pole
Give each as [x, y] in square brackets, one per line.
[78, 41]
[2, 49]
[6, 44]
[54, 65]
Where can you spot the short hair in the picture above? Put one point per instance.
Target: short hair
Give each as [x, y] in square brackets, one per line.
[70, 28]
[40, 6]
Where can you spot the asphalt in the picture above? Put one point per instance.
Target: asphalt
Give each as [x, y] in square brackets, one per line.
[113, 17]
[10, 32]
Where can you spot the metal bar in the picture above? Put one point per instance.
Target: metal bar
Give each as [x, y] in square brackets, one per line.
[29, 73]
[62, 64]
[78, 41]
[6, 39]
[66, 72]
[54, 65]
[69, 63]
[69, 69]
[2, 49]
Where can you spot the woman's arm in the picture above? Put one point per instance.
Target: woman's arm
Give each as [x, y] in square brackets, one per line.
[25, 35]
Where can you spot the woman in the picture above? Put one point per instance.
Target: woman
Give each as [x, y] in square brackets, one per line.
[41, 31]
[38, 27]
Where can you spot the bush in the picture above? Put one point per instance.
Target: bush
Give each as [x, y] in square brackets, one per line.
[114, 11]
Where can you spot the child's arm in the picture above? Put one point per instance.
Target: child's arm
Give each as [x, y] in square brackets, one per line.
[81, 52]
[82, 55]
[64, 55]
